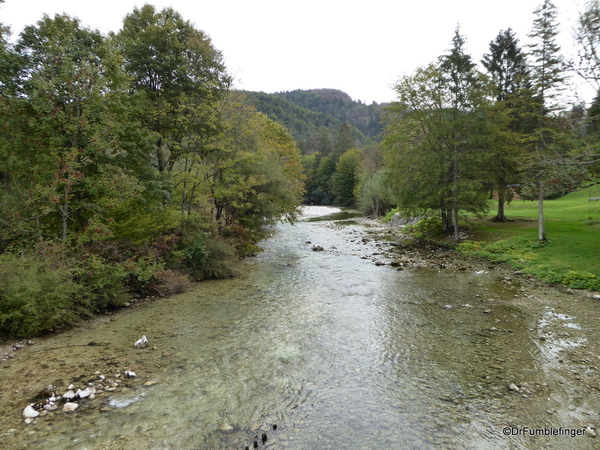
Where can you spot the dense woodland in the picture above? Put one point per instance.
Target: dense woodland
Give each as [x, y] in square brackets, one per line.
[130, 166]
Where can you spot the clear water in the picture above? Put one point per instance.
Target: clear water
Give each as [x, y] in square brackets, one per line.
[335, 351]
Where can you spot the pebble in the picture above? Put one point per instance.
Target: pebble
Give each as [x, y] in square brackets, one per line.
[514, 387]
[141, 342]
[590, 432]
[29, 412]
[225, 427]
[83, 394]
[69, 395]
[70, 406]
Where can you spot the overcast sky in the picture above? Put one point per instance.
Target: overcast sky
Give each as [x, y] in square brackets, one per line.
[360, 48]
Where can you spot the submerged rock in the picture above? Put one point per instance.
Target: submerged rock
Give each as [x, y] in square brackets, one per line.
[225, 427]
[70, 406]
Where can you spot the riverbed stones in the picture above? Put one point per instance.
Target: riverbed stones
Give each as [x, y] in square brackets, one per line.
[69, 395]
[590, 431]
[70, 406]
[29, 412]
[83, 393]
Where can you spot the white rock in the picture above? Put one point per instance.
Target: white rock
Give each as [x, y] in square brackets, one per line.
[130, 374]
[141, 342]
[50, 407]
[514, 387]
[29, 412]
[28, 420]
[590, 431]
[70, 406]
[83, 394]
[69, 395]
[71, 387]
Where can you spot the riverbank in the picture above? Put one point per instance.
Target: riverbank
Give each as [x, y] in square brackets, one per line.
[528, 353]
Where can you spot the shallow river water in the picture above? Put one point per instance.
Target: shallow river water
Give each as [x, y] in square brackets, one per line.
[326, 350]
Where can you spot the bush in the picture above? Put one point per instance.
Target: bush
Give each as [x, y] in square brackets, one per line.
[426, 228]
[104, 282]
[219, 262]
[39, 295]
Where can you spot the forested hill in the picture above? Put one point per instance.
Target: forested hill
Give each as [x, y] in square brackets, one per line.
[315, 114]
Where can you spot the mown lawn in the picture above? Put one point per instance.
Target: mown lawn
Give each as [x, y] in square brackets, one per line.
[570, 256]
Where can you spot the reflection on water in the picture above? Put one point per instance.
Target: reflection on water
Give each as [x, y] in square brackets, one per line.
[333, 350]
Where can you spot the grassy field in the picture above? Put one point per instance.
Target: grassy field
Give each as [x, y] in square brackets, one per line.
[571, 256]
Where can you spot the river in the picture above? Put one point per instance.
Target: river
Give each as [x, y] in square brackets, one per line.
[331, 349]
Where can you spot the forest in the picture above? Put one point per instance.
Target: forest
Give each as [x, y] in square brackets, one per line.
[131, 166]
[462, 131]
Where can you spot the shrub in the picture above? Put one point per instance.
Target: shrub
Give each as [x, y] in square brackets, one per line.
[39, 295]
[426, 228]
[104, 282]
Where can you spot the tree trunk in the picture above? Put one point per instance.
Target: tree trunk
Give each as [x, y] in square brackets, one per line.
[500, 217]
[541, 229]
[455, 223]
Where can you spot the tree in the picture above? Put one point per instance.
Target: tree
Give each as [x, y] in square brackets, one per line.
[182, 79]
[65, 151]
[374, 195]
[345, 178]
[344, 141]
[507, 66]
[254, 176]
[438, 136]
[547, 78]
[587, 37]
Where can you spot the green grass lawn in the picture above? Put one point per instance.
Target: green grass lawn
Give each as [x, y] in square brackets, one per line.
[571, 255]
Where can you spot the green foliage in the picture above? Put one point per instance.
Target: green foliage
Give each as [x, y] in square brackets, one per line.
[128, 150]
[196, 254]
[374, 196]
[345, 177]
[220, 261]
[38, 293]
[103, 281]
[426, 228]
[313, 115]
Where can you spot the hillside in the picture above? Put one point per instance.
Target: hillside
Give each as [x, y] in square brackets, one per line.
[314, 117]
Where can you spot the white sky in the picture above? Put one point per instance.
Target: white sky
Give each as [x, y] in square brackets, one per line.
[360, 48]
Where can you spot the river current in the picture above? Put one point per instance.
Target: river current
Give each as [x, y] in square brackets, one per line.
[328, 350]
